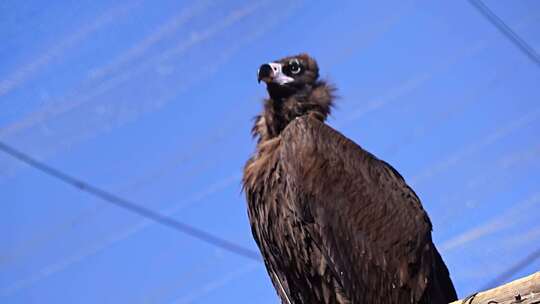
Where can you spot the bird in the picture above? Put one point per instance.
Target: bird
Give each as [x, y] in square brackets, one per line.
[333, 223]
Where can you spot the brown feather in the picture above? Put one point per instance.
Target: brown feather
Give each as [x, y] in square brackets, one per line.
[334, 223]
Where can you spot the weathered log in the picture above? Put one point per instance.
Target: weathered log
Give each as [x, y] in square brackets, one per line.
[523, 291]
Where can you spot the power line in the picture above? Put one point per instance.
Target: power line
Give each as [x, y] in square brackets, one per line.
[506, 275]
[506, 30]
[533, 55]
[131, 206]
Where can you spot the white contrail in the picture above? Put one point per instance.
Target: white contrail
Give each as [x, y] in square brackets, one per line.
[491, 177]
[531, 236]
[167, 29]
[438, 119]
[215, 284]
[29, 247]
[374, 31]
[33, 244]
[76, 99]
[522, 157]
[67, 104]
[397, 92]
[156, 295]
[491, 138]
[220, 133]
[111, 239]
[509, 218]
[222, 58]
[29, 69]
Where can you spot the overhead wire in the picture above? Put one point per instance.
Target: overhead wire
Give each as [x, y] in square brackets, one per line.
[220, 184]
[524, 47]
[512, 270]
[136, 50]
[68, 103]
[135, 208]
[27, 70]
[506, 30]
[131, 206]
[397, 92]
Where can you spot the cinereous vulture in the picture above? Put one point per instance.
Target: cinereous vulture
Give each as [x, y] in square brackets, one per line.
[334, 223]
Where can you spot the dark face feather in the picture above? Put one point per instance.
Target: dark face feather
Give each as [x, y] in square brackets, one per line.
[295, 90]
[289, 75]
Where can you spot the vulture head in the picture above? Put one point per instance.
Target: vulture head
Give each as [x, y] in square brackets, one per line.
[294, 89]
[289, 75]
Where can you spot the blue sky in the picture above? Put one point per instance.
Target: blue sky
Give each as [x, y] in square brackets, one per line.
[154, 101]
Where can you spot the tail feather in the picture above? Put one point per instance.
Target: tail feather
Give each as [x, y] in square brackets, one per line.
[441, 290]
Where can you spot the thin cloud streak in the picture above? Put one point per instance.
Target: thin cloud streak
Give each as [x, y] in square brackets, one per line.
[114, 238]
[490, 139]
[440, 118]
[502, 221]
[25, 72]
[157, 101]
[79, 98]
[157, 295]
[395, 93]
[216, 284]
[30, 247]
[164, 30]
[490, 177]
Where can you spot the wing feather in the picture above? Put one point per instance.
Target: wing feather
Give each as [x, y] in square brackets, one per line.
[368, 222]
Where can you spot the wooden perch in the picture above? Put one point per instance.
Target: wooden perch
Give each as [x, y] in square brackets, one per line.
[523, 291]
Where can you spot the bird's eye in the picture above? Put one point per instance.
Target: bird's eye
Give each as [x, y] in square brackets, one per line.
[294, 66]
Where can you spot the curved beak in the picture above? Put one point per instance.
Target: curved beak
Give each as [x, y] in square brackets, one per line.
[265, 73]
[272, 72]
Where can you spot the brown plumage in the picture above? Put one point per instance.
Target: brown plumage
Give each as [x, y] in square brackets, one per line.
[334, 223]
